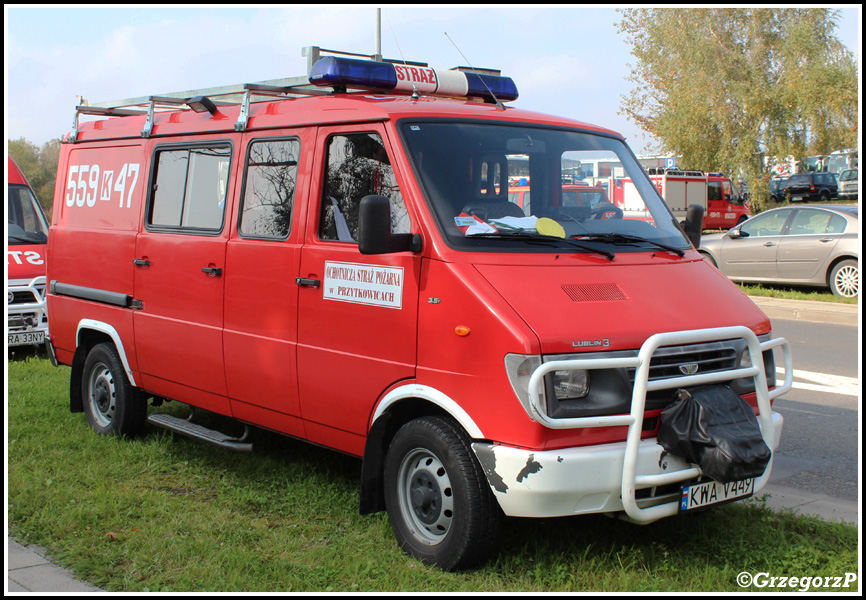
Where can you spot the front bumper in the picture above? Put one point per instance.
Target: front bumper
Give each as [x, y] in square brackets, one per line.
[574, 481]
[634, 476]
[27, 316]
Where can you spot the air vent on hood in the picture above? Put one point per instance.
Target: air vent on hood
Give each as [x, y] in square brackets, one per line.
[594, 292]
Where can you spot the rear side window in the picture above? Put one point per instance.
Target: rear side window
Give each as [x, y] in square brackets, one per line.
[190, 188]
[269, 189]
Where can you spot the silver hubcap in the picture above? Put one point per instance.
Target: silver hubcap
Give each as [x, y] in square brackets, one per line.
[102, 394]
[847, 281]
[425, 496]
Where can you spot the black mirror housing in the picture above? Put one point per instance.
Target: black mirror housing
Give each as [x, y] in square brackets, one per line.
[694, 225]
[374, 229]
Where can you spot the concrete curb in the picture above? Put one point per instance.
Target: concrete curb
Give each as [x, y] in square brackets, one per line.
[826, 508]
[809, 310]
[30, 570]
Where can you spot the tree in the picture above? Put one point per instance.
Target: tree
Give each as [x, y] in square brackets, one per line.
[39, 165]
[724, 87]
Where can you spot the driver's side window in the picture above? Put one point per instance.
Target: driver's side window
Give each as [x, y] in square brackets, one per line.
[357, 166]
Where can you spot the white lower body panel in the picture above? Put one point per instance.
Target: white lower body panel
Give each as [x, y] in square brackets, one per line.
[584, 480]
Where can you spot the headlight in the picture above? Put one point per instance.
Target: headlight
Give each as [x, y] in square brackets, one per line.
[570, 385]
[567, 393]
[747, 385]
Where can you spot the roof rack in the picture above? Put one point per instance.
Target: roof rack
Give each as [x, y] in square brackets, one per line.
[675, 171]
[313, 84]
[229, 95]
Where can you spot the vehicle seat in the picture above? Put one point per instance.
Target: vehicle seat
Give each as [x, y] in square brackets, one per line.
[606, 210]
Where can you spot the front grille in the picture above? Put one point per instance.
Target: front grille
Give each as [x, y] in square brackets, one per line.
[694, 359]
[666, 362]
[24, 297]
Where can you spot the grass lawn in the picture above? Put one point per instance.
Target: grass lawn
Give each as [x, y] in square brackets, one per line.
[789, 292]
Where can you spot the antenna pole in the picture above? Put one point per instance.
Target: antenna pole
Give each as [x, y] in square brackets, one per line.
[378, 56]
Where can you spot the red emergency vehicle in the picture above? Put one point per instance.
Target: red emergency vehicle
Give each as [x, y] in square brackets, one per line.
[593, 197]
[724, 206]
[336, 258]
[26, 239]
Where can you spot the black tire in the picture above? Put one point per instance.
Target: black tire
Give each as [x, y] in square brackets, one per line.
[844, 279]
[439, 503]
[111, 405]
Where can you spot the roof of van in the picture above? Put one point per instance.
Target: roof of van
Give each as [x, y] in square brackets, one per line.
[331, 109]
[15, 175]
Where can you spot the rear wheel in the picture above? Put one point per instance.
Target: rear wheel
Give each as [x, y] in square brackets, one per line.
[439, 504]
[111, 405]
[845, 279]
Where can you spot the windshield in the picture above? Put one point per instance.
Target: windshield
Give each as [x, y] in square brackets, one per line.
[513, 188]
[25, 219]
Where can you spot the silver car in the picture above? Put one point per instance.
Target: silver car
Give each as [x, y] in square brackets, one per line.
[813, 245]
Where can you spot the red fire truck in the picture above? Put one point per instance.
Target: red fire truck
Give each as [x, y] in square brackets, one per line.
[26, 237]
[724, 206]
[335, 258]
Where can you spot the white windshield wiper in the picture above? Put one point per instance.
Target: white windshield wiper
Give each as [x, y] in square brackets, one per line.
[615, 238]
[544, 240]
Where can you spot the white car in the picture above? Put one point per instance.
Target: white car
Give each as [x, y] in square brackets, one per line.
[848, 184]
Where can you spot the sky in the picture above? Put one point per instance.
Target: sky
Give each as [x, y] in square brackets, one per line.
[566, 61]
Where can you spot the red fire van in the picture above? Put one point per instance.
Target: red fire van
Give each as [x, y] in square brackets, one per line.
[724, 207]
[336, 258]
[26, 238]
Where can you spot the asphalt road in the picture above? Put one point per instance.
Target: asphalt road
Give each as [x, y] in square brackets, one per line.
[819, 448]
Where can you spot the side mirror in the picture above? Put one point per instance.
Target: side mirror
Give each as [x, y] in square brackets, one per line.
[694, 224]
[374, 229]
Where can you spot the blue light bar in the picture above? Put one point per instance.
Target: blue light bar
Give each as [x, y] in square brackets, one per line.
[332, 71]
[366, 74]
[482, 86]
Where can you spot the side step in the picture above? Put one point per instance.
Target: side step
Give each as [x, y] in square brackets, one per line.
[211, 436]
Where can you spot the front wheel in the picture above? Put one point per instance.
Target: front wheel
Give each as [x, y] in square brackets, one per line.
[845, 279]
[111, 404]
[439, 504]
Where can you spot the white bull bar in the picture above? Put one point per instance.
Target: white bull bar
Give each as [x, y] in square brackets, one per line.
[631, 481]
[38, 307]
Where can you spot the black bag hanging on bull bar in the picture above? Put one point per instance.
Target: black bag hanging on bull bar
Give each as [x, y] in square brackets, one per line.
[713, 427]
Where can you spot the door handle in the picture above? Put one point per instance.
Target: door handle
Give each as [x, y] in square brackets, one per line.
[304, 282]
[141, 262]
[825, 240]
[770, 244]
[212, 271]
